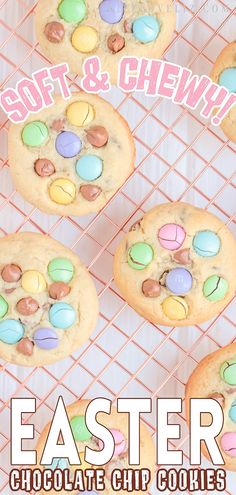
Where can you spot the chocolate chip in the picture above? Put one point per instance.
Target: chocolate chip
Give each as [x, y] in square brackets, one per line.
[9, 291]
[162, 280]
[11, 273]
[27, 306]
[115, 43]
[25, 346]
[127, 27]
[182, 257]
[44, 167]
[90, 193]
[151, 288]
[59, 290]
[54, 32]
[58, 125]
[97, 136]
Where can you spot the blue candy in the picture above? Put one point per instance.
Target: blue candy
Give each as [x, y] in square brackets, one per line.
[228, 79]
[62, 315]
[146, 28]
[11, 331]
[89, 167]
[58, 464]
[232, 412]
[68, 144]
[206, 243]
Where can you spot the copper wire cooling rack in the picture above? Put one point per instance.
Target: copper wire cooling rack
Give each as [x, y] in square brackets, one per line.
[179, 157]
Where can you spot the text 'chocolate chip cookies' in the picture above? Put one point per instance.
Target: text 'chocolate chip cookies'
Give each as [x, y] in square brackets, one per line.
[224, 74]
[72, 30]
[72, 157]
[215, 378]
[48, 303]
[177, 265]
[117, 423]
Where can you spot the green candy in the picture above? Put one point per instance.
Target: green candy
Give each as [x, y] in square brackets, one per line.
[35, 133]
[73, 11]
[215, 288]
[79, 429]
[228, 372]
[3, 307]
[61, 270]
[140, 255]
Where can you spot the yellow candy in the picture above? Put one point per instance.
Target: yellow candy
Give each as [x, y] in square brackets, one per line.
[85, 39]
[80, 113]
[33, 282]
[175, 308]
[62, 191]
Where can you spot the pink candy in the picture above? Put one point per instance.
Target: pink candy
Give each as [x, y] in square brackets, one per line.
[228, 443]
[171, 236]
[120, 442]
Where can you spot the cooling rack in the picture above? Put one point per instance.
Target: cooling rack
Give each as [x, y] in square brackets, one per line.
[180, 156]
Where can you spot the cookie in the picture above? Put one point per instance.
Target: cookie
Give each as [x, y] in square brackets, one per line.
[71, 158]
[71, 31]
[215, 378]
[224, 74]
[117, 423]
[48, 303]
[177, 265]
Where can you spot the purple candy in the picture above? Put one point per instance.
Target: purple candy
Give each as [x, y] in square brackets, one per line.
[68, 144]
[111, 11]
[45, 338]
[179, 281]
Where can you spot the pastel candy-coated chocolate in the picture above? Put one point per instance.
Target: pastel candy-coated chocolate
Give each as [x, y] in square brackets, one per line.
[35, 133]
[62, 315]
[68, 144]
[62, 191]
[3, 307]
[111, 11]
[171, 236]
[58, 464]
[120, 442]
[80, 113]
[89, 493]
[89, 167]
[146, 28]
[232, 412]
[179, 281]
[11, 331]
[73, 11]
[228, 79]
[79, 429]
[46, 338]
[206, 243]
[140, 255]
[33, 282]
[215, 288]
[228, 372]
[175, 308]
[228, 443]
[61, 270]
[84, 39]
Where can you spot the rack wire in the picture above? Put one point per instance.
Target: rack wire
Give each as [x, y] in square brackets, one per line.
[183, 158]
